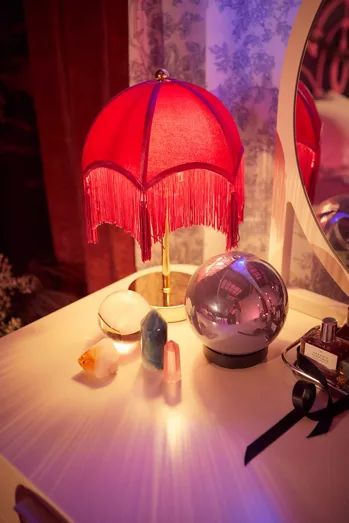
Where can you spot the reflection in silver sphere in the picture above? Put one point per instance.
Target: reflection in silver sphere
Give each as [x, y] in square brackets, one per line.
[236, 303]
[333, 216]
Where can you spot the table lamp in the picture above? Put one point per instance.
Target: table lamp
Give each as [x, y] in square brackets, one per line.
[161, 155]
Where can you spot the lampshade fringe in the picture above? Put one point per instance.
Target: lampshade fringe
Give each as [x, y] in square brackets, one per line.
[195, 196]
[145, 233]
[233, 232]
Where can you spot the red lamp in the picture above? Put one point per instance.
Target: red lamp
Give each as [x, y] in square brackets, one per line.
[164, 154]
[308, 130]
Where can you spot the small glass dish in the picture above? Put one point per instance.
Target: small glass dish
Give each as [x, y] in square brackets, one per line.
[289, 357]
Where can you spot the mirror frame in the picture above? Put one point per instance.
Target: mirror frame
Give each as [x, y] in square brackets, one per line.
[290, 200]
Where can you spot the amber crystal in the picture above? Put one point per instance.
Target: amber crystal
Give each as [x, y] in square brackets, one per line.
[100, 360]
[87, 360]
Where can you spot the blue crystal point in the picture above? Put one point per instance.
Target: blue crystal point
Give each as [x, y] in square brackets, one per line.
[154, 337]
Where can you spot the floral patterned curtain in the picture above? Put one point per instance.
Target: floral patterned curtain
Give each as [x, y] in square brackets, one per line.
[235, 49]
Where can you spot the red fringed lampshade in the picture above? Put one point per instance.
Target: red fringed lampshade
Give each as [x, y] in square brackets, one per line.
[163, 148]
[308, 129]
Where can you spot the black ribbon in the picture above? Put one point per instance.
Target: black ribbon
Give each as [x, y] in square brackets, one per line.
[323, 416]
[303, 398]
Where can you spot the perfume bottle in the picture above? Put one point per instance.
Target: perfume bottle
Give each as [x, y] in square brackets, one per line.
[343, 371]
[343, 374]
[343, 332]
[324, 348]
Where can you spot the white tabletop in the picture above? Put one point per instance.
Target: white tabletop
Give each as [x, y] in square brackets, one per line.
[130, 451]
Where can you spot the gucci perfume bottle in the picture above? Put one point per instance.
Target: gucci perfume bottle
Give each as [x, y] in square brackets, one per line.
[343, 371]
[343, 375]
[343, 332]
[324, 348]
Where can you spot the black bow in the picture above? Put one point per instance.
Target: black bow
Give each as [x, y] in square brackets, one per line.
[303, 398]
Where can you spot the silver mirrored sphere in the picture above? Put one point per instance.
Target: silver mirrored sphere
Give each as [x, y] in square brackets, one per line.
[236, 303]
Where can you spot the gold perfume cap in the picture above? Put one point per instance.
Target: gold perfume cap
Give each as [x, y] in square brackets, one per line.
[328, 330]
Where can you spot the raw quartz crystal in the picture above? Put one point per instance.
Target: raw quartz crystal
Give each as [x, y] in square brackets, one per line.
[172, 362]
[101, 360]
[154, 336]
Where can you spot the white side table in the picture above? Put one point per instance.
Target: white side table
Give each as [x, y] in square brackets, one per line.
[131, 452]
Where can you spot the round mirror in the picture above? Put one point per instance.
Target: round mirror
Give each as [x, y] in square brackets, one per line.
[322, 122]
[317, 279]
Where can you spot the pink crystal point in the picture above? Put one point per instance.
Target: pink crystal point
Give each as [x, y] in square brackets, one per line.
[172, 362]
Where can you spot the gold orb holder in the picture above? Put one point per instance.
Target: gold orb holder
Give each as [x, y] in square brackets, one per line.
[116, 335]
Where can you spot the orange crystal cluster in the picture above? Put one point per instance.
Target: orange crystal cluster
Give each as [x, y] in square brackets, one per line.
[100, 360]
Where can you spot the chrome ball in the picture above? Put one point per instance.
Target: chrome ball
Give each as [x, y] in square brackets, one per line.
[236, 303]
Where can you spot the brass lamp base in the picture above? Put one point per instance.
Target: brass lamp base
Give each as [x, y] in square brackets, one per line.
[168, 302]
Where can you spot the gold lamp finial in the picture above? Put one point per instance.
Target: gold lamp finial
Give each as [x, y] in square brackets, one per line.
[161, 75]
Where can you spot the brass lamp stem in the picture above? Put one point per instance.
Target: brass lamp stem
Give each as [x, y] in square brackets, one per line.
[165, 290]
[166, 286]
